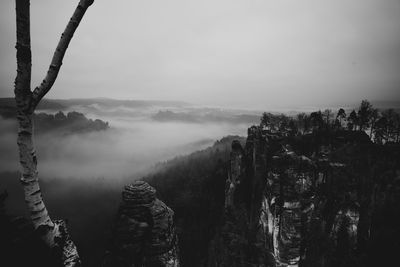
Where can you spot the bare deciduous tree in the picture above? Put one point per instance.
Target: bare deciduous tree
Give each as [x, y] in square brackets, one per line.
[53, 233]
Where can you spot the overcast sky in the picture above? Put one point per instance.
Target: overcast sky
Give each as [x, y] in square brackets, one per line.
[247, 53]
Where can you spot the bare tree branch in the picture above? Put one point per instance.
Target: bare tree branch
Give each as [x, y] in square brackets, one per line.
[59, 53]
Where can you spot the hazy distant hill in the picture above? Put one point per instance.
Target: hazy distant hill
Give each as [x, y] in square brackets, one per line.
[108, 102]
[7, 105]
[8, 110]
[209, 116]
[71, 122]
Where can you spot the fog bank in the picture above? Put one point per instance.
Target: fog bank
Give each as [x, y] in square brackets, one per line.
[129, 147]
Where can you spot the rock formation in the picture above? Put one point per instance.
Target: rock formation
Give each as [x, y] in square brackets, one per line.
[144, 232]
[289, 205]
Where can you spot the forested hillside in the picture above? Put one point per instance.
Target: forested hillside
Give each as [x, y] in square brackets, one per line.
[193, 186]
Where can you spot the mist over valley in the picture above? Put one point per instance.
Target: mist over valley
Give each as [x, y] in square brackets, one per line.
[82, 168]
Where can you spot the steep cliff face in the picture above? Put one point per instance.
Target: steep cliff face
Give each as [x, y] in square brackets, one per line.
[289, 205]
[144, 232]
[240, 241]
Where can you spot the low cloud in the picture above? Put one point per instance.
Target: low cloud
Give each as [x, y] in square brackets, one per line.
[129, 147]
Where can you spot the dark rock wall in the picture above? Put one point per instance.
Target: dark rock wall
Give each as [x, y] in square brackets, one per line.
[289, 205]
[144, 232]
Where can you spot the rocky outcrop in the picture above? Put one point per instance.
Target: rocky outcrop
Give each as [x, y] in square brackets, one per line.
[241, 241]
[288, 204]
[299, 201]
[144, 232]
[234, 176]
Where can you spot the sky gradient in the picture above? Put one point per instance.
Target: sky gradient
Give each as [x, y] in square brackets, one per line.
[245, 54]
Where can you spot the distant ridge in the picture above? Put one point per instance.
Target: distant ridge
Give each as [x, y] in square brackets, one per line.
[9, 103]
[62, 104]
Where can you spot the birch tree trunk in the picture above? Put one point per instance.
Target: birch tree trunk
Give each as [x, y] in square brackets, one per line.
[53, 233]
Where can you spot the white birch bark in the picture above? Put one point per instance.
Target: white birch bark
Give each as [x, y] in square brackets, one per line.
[53, 233]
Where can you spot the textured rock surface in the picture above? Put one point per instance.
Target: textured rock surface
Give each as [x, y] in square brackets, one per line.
[303, 202]
[235, 173]
[144, 233]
